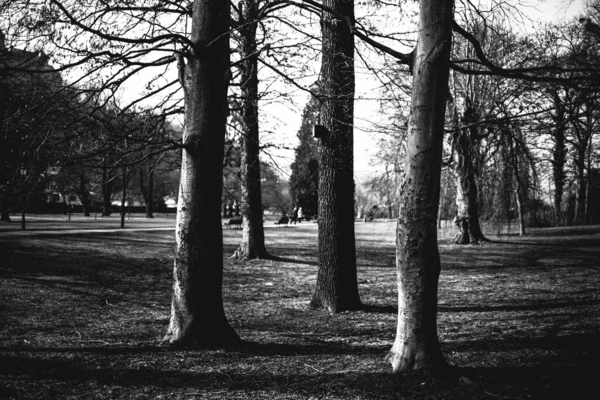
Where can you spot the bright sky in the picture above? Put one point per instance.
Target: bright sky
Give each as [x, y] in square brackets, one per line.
[281, 122]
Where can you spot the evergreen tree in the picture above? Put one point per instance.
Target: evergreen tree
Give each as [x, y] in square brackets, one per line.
[304, 180]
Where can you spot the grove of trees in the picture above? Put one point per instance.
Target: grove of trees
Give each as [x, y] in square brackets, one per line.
[488, 124]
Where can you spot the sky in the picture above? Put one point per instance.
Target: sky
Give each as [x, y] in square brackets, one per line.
[281, 122]
[367, 109]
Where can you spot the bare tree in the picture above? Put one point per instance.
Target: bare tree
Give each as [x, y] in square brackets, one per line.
[337, 286]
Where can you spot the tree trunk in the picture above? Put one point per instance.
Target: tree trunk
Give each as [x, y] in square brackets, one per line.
[559, 155]
[337, 286]
[197, 313]
[519, 196]
[106, 188]
[150, 200]
[417, 347]
[253, 236]
[466, 191]
[519, 200]
[124, 197]
[84, 195]
[147, 188]
[581, 186]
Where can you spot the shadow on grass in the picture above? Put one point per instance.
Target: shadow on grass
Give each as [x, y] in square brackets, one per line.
[519, 307]
[289, 260]
[290, 377]
[379, 309]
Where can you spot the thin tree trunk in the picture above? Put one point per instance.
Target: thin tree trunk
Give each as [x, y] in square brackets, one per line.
[197, 313]
[253, 236]
[519, 200]
[106, 188]
[519, 196]
[84, 195]
[581, 187]
[150, 201]
[337, 286]
[147, 188]
[123, 197]
[417, 347]
[559, 155]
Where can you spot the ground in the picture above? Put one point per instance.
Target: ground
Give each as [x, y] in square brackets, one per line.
[83, 307]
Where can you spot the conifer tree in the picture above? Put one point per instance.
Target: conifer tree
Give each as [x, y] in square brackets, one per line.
[304, 180]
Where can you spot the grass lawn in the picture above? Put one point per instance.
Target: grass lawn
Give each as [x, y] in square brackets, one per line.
[83, 307]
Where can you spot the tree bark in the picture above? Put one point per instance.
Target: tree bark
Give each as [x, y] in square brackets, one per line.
[466, 188]
[417, 348]
[337, 286]
[197, 313]
[253, 236]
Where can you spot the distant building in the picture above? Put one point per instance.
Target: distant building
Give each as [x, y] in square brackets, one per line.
[25, 71]
[27, 80]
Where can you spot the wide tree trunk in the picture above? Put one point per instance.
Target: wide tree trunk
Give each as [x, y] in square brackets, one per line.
[337, 286]
[253, 236]
[417, 347]
[197, 313]
[466, 190]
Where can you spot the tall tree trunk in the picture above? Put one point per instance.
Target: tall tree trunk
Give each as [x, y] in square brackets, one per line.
[253, 236]
[337, 286]
[417, 347]
[466, 189]
[197, 313]
[559, 156]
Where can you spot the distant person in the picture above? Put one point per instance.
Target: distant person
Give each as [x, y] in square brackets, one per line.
[300, 215]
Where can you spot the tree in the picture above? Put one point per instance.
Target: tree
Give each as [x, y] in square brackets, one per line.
[197, 314]
[417, 345]
[275, 191]
[337, 286]
[30, 123]
[304, 178]
[112, 42]
[253, 236]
